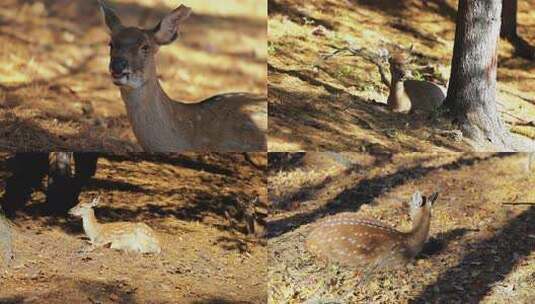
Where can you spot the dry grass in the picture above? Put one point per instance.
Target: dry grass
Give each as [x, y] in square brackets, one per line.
[205, 258]
[55, 91]
[480, 250]
[333, 104]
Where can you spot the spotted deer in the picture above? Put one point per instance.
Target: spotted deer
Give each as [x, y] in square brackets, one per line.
[408, 95]
[353, 241]
[226, 122]
[126, 236]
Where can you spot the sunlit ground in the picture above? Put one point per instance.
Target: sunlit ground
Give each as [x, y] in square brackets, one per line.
[55, 88]
[480, 249]
[330, 105]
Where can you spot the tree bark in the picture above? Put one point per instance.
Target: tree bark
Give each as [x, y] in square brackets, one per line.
[509, 30]
[472, 91]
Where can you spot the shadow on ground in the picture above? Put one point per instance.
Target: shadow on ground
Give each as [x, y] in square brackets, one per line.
[487, 262]
[364, 192]
[215, 199]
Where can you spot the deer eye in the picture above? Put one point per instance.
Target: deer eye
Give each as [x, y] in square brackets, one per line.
[110, 45]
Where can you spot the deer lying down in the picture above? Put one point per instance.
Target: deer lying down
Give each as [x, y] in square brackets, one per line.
[136, 237]
[362, 243]
[227, 122]
[410, 95]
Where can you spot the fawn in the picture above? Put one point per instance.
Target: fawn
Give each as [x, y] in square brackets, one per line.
[407, 95]
[229, 122]
[137, 237]
[352, 241]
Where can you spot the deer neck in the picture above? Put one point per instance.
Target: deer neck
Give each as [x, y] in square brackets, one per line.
[419, 232]
[91, 225]
[155, 118]
[397, 99]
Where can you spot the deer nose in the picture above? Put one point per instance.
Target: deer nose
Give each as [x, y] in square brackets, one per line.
[117, 65]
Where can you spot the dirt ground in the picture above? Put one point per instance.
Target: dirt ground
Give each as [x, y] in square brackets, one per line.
[204, 259]
[480, 250]
[333, 104]
[55, 90]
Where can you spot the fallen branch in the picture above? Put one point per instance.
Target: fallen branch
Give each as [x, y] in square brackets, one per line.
[376, 59]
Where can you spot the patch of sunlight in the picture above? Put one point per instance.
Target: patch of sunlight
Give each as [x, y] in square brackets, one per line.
[215, 61]
[279, 27]
[248, 8]
[13, 78]
[279, 144]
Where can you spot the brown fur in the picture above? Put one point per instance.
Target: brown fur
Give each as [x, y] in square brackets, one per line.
[351, 240]
[224, 123]
[411, 95]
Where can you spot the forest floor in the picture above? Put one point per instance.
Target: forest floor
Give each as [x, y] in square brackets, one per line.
[480, 250]
[338, 104]
[204, 259]
[55, 89]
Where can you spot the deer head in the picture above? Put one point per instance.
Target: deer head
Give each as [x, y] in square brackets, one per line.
[421, 205]
[132, 49]
[82, 209]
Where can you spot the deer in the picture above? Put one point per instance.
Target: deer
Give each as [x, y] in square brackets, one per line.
[352, 241]
[230, 122]
[408, 95]
[124, 236]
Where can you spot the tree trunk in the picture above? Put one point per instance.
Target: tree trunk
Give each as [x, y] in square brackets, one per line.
[472, 90]
[509, 30]
[64, 185]
[509, 18]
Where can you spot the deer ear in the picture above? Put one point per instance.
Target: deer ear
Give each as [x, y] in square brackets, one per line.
[431, 199]
[111, 19]
[167, 30]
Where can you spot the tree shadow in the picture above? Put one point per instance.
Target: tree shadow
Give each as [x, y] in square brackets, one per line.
[400, 8]
[310, 125]
[365, 192]
[487, 262]
[316, 120]
[22, 134]
[96, 290]
[12, 300]
[97, 184]
[443, 8]
[438, 243]
[80, 18]
[284, 161]
[195, 211]
[236, 243]
[206, 202]
[296, 15]
[177, 159]
[71, 288]
[308, 192]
